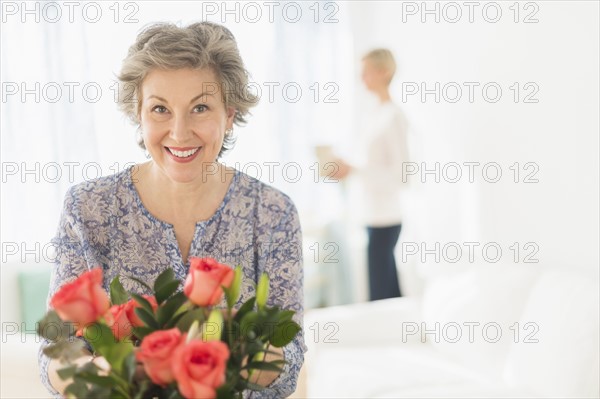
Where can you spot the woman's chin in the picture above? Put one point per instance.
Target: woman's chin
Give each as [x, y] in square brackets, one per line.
[194, 172]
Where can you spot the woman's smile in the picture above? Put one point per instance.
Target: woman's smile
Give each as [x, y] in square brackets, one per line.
[182, 154]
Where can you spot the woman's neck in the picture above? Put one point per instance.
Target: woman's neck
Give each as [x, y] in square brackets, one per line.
[383, 94]
[190, 196]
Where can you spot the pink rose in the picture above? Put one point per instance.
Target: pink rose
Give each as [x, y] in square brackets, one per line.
[132, 305]
[156, 352]
[199, 368]
[118, 322]
[204, 280]
[82, 301]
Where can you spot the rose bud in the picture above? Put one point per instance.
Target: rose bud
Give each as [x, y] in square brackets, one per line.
[203, 283]
[132, 304]
[120, 325]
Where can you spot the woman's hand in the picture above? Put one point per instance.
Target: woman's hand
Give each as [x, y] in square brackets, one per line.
[263, 377]
[341, 171]
[102, 364]
[59, 384]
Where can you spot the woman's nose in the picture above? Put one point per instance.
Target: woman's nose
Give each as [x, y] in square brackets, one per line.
[181, 129]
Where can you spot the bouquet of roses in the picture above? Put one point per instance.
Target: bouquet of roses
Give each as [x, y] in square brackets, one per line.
[185, 346]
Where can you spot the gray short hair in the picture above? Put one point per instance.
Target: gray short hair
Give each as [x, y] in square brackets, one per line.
[197, 46]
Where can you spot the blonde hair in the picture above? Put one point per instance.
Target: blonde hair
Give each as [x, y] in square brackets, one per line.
[384, 59]
[198, 46]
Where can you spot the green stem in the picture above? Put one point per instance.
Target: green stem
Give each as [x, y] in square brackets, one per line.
[121, 383]
[229, 329]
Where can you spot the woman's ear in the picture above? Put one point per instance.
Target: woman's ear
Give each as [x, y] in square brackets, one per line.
[230, 115]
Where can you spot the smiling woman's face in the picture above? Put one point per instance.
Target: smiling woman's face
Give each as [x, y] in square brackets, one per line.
[183, 120]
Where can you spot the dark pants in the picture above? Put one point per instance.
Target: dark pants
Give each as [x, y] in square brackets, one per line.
[383, 277]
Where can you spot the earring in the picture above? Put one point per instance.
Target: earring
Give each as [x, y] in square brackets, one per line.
[228, 131]
[147, 154]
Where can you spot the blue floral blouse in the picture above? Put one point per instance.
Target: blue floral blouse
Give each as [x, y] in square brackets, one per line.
[256, 226]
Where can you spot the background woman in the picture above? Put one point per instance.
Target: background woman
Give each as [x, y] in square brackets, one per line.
[384, 144]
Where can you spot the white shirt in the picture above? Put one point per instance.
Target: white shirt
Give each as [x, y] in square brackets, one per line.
[384, 147]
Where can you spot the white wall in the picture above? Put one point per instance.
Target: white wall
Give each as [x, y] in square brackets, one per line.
[559, 53]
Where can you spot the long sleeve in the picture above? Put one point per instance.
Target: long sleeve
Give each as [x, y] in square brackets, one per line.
[284, 266]
[387, 153]
[379, 166]
[69, 262]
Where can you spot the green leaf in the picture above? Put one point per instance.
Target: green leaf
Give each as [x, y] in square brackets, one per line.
[98, 392]
[78, 388]
[66, 372]
[143, 302]
[103, 342]
[140, 394]
[263, 366]
[100, 336]
[103, 381]
[225, 392]
[169, 308]
[174, 320]
[285, 315]
[147, 317]
[175, 395]
[129, 366]
[65, 349]
[118, 295]
[250, 325]
[53, 328]
[253, 386]
[116, 354]
[141, 332]
[245, 308]
[166, 290]
[165, 277]
[189, 317]
[284, 333]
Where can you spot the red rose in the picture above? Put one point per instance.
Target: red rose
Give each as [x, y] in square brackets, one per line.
[132, 305]
[82, 301]
[204, 280]
[199, 368]
[156, 353]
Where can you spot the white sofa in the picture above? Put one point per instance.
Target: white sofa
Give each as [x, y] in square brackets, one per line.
[393, 348]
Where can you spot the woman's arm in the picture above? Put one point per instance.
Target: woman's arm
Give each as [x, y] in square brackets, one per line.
[69, 263]
[283, 262]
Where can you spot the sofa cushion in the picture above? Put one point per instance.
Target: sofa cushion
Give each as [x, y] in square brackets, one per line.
[564, 362]
[471, 314]
[397, 371]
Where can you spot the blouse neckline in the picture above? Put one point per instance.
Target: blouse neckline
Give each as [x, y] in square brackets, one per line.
[148, 214]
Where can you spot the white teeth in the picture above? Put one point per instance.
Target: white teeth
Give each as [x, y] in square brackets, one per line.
[183, 154]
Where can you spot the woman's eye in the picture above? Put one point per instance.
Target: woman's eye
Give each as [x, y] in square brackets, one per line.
[159, 109]
[200, 108]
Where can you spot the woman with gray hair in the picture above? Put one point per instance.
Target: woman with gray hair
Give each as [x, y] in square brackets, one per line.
[184, 88]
